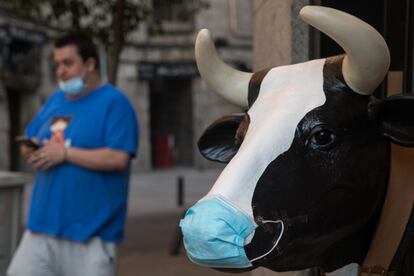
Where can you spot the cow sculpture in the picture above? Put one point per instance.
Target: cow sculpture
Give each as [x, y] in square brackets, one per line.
[308, 163]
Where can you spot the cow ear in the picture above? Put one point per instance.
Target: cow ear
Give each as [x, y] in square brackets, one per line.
[396, 116]
[218, 142]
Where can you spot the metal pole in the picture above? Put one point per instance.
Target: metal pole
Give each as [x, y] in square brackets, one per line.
[177, 238]
[383, 89]
[180, 191]
[408, 51]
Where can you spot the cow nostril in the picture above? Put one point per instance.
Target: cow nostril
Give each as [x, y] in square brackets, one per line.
[260, 221]
[265, 240]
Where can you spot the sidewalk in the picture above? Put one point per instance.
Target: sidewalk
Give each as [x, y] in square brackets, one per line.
[156, 191]
[152, 223]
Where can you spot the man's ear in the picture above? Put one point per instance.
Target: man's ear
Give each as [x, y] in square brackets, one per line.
[218, 142]
[396, 117]
[91, 64]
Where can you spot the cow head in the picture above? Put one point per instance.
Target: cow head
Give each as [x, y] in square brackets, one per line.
[308, 162]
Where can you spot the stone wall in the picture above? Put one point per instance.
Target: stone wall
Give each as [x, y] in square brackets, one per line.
[138, 93]
[272, 33]
[280, 37]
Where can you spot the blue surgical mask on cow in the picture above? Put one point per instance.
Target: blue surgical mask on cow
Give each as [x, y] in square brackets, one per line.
[73, 86]
[216, 231]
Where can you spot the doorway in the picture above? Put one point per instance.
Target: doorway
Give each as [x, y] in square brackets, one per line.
[15, 129]
[171, 114]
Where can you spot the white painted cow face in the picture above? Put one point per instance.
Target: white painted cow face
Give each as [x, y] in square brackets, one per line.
[287, 144]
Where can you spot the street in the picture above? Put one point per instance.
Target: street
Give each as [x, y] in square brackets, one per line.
[152, 223]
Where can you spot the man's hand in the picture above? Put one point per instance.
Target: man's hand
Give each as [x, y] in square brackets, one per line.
[49, 155]
[26, 151]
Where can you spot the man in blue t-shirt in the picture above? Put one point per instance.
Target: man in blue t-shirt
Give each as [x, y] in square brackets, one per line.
[87, 132]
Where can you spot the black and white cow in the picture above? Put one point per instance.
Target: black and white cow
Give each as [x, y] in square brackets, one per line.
[309, 161]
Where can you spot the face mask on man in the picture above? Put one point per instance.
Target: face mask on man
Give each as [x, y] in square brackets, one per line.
[73, 86]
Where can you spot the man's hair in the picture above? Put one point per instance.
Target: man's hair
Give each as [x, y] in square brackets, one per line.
[84, 44]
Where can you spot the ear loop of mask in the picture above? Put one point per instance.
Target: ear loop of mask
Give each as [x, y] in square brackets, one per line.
[276, 243]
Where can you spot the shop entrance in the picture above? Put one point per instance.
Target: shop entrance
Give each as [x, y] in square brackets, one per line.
[171, 123]
[15, 129]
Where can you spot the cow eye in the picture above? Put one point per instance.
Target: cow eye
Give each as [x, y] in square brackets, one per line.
[322, 138]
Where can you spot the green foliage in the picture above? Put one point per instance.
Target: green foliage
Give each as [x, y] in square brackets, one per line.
[92, 16]
[110, 21]
[97, 16]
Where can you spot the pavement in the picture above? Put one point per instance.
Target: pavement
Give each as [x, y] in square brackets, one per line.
[152, 224]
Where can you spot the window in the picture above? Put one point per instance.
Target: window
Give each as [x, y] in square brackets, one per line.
[175, 15]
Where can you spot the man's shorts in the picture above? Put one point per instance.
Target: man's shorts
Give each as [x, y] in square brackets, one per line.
[41, 255]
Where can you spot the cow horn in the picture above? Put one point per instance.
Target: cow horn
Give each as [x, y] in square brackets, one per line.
[367, 57]
[226, 81]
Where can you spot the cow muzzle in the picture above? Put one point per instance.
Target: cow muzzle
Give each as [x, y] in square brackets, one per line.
[215, 232]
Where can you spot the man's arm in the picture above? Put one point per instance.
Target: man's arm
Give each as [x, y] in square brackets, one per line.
[104, 159]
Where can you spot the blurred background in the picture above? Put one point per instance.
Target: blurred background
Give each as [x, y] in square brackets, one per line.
[147, 50]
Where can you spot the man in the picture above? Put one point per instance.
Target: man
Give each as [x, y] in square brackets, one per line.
[88, 134]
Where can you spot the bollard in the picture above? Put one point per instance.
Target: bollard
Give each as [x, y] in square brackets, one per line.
[176, 242]
[180, 191]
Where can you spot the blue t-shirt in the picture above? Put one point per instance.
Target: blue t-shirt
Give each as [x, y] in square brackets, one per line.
[73, 202]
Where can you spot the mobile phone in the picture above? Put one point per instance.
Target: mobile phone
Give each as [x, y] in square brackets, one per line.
[27, 142]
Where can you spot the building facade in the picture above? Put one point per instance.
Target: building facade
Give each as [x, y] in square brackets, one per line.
[175, 105]
[157, 72]
[25, 76]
